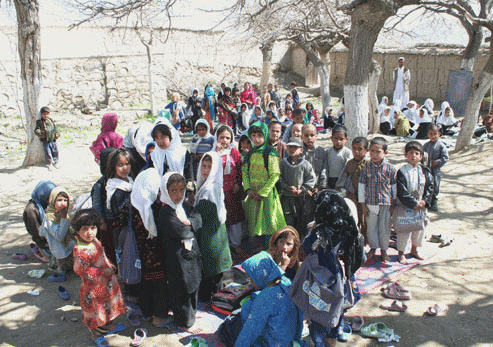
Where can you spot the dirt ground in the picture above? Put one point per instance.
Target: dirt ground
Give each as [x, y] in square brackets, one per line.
[459, 276]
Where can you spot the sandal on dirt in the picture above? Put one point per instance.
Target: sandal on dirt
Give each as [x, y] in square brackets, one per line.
[101, 341]
[139, 336]
[357, 323]
[396, 286]
[435, 310]
[119, 327]
[376, 330]
[445, 243]
[436, 239]
[395, 306]
[394, 293]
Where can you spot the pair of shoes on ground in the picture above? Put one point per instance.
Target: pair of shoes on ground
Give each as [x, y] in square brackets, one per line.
[396, 291]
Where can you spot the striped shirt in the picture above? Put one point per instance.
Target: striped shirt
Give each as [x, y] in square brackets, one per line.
[377, 184]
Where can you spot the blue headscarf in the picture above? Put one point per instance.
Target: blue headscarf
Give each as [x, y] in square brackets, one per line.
[41, 196]
[209, 94]
[147, 156]
[262, 269]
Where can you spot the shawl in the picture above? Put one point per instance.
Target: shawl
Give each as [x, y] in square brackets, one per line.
[444, 120]
[197, 138]
[174, 155]
[209, 94]
[224, 151]
[108, 137]
[426, 116]
[211, 187]
[50, 211]
[142, 137]
[383, 103]
[144, 193]
[180, 211]
[41, 196]
[116, 183]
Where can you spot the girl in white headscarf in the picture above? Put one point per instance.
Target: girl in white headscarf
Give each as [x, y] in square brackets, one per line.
[384, 102]
[182, 251]
[153, 297]
[446, 119]
[212, 235]
[231, 166]
[423, 123]
[411, 112]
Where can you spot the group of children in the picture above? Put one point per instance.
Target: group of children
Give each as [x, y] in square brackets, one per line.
[198, 203]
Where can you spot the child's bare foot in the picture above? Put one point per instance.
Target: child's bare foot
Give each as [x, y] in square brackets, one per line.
[385, 257]
[402, 259]
[416, 255]
[370, 255]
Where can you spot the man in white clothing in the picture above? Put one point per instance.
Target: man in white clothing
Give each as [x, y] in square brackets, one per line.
[402, 79]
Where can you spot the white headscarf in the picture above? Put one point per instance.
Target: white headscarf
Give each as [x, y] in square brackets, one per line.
[194, 144]
[174, 155]
[211, 187]
[411, 112]
[383, 103]
[450, 120]
[144, 194]
[142, 138]
[225, 151]
[426, 116]
[180, 212]
[429, 104]
[386, 118]
[116, 183]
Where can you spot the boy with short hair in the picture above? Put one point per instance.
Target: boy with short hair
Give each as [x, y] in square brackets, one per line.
[201, 143]
[275, 131]
[297, 179]
[297, 119]
[437, 157]
[338, 155]
[46, 130]
[376, 193]
[297, 129]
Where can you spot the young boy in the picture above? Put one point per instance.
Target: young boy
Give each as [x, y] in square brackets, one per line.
[437, 157]
[414, 191]
[317, 157]
[297, 129]
[297, 119]
[297, 179]
[201, 143]
[275, 131]
[46, 130]
[350, 176]
[338, 155]
[376, 194]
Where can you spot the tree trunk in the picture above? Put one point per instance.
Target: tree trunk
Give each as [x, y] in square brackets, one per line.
[474, 103]
[367, 19]
[150, 69]
[376, 70]
[29, 42]
[266, 62]
[324, 71]
[471, 51]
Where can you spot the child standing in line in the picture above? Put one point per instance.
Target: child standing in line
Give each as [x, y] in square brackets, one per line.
[377, 192]
[275, 131]
[297, 178]
[46, 130]
[437, 157]
[55, 229]
[183, 265]
[244, 145]
[414, 191]
[100, 296]
[108, 137]
[231, 167]
[338, 155]
[351, 174]
[212, 236]
[317, 156]
[297, 119]
[296, 130]
[201, 142]
[262, 205]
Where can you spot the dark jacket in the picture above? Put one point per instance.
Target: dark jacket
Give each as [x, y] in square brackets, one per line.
[405, 197]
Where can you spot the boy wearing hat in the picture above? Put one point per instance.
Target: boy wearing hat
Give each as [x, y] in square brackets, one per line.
[297, 178]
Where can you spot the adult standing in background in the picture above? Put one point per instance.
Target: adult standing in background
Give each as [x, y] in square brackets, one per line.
[402, 79]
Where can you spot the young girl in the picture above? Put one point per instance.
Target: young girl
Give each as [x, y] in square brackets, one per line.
[284, 247]
[423, 123]
[108, 136]
[183, 265]
[212, 236]
[55, 229]
[244, 145]
[446, 119]
[233, 194]
[262, 205]
[310, 113]
[153, 297]
[100, 296]
[201, 142]
[170, 155]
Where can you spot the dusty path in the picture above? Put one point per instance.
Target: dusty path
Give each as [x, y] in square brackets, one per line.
[460, 276]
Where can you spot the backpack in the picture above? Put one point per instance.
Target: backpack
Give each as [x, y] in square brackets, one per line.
[128, 255]
[267, 150]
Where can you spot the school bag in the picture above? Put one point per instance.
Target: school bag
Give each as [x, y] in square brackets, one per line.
[229, 298]
[127, 255]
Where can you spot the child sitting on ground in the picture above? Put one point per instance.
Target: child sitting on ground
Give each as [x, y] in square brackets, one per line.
[377, 193]
[46, 130]
[297, 178]
[212, 236]
[55, 229]
[351, 175]
[201, 142]
[284, 247]
[446, 120]
[101, 300]
[337, 155]
[414, 191]
[261, 171]
[108, 137]
[437, 157]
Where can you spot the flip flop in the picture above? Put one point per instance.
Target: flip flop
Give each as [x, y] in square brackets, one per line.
[395, 306]
[357, 323]
[393, 293]
[19, 256]
[376, 330]
[435, 310]
[133, 319]
[35, 251]
[63, 293]
[119, 327]
[397, 286]
[139, 336]
[445, 243]
[36, 273]
[436, 239]
[101, 341]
